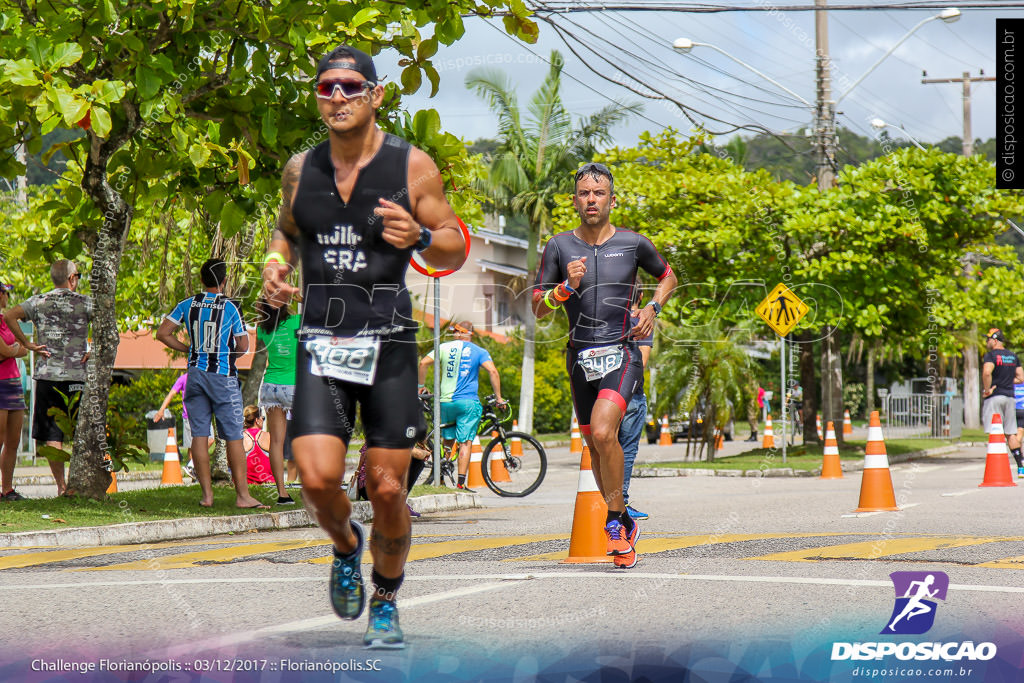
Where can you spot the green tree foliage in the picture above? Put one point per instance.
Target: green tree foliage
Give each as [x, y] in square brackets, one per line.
[199, 102]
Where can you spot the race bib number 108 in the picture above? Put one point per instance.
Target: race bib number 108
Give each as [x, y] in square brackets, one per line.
[350, 359]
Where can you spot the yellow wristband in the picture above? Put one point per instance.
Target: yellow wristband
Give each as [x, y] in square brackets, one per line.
[275, 255]
[553, 307]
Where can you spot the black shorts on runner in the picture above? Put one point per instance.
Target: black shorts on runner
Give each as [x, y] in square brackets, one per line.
[390, 408]
[1020, 419]
[618, 385]
[48, 395]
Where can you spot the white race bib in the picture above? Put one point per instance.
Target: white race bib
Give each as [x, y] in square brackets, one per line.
[350, 359]
[598, 362]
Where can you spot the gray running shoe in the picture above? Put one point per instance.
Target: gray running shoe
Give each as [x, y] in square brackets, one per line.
[383, 632]
[348, 597]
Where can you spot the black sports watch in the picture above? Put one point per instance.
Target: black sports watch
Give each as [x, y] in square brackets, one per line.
[657, 308]
[425, 239]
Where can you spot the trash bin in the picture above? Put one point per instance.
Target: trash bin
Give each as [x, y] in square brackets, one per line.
[156, 434]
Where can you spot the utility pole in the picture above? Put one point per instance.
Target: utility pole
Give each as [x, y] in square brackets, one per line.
[972, 387]
[22, 181]
[824, 114]
[965, 81]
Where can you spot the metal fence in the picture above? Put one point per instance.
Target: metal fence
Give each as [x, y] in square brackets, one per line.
[924, 416]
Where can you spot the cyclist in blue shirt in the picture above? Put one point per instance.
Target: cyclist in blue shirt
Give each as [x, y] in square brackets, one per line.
[216, 337]
[461, 361]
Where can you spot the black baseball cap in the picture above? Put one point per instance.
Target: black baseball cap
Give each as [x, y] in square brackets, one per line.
[345, 57]
[997, 334]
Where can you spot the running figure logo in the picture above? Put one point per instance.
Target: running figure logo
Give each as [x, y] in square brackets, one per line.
[914, 611]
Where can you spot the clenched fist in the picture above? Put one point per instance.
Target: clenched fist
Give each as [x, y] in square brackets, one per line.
[576, 270]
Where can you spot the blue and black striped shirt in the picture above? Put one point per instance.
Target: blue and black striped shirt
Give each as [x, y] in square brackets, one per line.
[212, 321]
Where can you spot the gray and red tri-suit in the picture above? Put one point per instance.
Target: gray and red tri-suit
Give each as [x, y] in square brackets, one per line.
[602, 361]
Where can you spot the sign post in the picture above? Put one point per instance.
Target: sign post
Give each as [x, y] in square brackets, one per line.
[782, 310]
[424, 269]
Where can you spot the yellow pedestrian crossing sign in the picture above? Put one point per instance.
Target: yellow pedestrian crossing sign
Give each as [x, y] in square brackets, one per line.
[782, 309]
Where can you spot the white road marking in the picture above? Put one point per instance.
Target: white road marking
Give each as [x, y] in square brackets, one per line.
[968, 468]
[906, 506]
[500, 580]
[960, 493]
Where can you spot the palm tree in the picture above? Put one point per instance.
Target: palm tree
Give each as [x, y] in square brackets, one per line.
[539, 149]
[712, 375]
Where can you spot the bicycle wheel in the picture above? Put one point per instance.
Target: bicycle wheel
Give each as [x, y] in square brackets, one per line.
[525, 472]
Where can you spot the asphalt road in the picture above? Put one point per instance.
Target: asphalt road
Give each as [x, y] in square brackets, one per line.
[739, 579]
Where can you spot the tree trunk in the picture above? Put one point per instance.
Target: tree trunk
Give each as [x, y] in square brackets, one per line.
[869, 381]
[972, 383]
[810, 385]
[832, 383]
[87, 475]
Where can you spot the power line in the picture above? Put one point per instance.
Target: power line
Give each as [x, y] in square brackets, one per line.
[564, 8]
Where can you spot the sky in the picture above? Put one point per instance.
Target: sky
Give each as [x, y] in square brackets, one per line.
[779, 45]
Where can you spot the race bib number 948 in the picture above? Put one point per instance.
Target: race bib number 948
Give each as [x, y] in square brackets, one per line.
[350, 359]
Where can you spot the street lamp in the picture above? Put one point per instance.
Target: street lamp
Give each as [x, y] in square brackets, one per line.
[948, 15]
[879, 124]
[684, 45]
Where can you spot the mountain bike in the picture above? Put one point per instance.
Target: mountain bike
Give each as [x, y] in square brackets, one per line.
[513, 463]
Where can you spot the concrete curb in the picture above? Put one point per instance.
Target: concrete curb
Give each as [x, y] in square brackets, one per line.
[645, 471]
[47, 479]
[130, 533]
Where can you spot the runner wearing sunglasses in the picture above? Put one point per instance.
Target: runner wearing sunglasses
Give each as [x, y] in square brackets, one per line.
[591, 271]
[354, 208]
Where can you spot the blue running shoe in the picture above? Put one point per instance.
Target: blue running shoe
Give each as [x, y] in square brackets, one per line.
[636, 514]
[348, 597]
[383, 633]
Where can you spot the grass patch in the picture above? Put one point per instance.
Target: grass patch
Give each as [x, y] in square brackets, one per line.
[802, 457]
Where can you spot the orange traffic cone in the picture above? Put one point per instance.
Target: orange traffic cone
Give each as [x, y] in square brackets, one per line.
[997, 462]
[847, 424]
[719, 439]
[113, 478]
[517, 443]
[769, 436]
[498, 471]
[588, 544]
[575, 440]
[817, 421]
[475, 476]
[666, 436]
[876, 492]
[172, 465]
[830, 467]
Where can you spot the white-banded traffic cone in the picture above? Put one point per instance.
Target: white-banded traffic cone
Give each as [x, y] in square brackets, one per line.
[588, 543]
[665, 439]
[475, 476]
[768, 440]
[817, 424]
[171, 475]
[830, 467]
[517, 443]
[498, 471]
[997, 461]
[876, 492]
[847, 423]
[575, 439]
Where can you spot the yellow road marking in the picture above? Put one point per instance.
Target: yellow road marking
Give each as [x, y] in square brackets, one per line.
[870, 550]
[648, 546]
[426, 551]
[1005, 563]
[216, 555]
[48, 557]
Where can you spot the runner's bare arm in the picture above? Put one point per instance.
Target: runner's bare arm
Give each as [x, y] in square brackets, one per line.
[241, 344]
[167, 335]
[431, 210]
[284, 240]
[645, 324]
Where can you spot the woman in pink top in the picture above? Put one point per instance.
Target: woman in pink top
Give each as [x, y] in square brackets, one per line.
[12, 402]
[256, 443]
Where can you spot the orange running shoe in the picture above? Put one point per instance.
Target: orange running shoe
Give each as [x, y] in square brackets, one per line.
[619, 543]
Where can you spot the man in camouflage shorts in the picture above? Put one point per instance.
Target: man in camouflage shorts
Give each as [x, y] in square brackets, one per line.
[61, 318]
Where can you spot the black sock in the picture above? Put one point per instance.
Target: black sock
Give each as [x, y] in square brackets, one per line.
[627, 522]
[462, 480]
[385, 588]
[612, 516]
[1015, 452]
